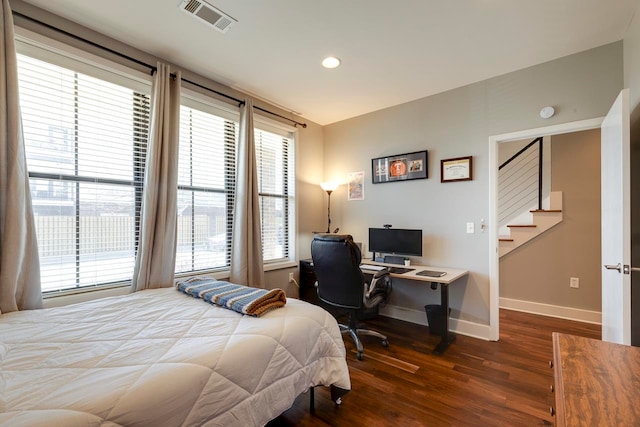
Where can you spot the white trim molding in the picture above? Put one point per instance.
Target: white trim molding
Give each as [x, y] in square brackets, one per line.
[568, 313]
[458, 326]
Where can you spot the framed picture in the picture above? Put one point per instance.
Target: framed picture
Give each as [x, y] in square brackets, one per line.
[399, 167]
[355, 185]
[457, 169]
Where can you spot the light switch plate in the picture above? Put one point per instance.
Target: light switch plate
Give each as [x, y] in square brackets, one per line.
[470, 228]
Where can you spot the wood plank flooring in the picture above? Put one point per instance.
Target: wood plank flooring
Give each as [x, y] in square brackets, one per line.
[474, 383]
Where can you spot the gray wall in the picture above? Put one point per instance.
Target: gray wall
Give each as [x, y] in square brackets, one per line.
[453, 124]
[312, 207]
[539, 271]
[632, 62]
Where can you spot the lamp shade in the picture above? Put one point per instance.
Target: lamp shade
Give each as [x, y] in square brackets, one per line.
[329, 186]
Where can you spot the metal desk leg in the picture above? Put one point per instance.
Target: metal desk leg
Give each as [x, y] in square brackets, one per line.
[447, 337]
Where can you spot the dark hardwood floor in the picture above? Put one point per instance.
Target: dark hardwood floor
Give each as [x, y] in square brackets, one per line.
[474, 383]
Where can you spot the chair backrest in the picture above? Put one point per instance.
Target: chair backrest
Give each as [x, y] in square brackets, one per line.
[336, 262]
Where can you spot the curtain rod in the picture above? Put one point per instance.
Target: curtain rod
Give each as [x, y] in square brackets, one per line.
[144, 64]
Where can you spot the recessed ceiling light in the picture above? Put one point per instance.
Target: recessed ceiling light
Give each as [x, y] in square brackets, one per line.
[330, 62]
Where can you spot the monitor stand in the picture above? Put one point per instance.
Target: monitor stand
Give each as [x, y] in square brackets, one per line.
[394, 259]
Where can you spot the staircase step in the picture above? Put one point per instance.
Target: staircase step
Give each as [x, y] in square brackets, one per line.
[530, 224]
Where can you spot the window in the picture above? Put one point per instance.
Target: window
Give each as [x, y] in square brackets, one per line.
[274, 156]
[206, 184]
[85, 139]
[206, 187]
[85, 125]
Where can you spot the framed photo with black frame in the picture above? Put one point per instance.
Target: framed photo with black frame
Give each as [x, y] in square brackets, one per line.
[399, 167]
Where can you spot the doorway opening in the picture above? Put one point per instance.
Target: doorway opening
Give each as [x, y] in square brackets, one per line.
[494, 279]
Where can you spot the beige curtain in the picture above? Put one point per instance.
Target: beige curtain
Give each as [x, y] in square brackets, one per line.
[246, 243]
[19, 261]
[156, 258]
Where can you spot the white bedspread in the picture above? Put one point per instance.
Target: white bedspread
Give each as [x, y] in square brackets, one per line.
[161, 358]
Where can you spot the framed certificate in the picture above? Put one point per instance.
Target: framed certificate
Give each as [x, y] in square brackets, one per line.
[456, 169]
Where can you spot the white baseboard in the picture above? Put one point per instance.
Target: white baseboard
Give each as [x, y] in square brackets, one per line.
[462, 327]
[568, 313]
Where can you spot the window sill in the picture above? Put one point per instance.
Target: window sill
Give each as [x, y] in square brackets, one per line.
[82, 295]
[59, 299]
[280, 265]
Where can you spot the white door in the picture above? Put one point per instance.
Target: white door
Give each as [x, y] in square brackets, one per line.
[616, 228]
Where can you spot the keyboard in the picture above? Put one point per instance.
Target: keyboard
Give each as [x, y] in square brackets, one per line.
[371, 267]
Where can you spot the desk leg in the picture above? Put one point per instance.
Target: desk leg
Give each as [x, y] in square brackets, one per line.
[447, 337]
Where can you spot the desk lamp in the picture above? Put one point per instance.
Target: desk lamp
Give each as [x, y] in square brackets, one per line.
[329, 187]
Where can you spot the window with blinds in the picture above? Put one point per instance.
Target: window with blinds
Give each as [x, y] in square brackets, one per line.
[85, 141]
[276, 178]
[206, 185]
[85, 127]
[206, 188]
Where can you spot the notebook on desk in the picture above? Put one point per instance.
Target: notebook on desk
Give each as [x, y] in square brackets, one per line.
[400, 270]
[431, 273]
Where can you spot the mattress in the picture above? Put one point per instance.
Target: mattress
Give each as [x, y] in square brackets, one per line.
[161, 358]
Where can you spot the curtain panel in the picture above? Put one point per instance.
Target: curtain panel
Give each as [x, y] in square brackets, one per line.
[156, 256]
[247, 266]
[19, 260]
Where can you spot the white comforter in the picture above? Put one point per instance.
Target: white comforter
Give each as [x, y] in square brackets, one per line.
[161, 358]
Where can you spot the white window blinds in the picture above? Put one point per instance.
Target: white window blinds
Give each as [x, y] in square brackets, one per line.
[276, 180]
[85, 141]
[206, 185]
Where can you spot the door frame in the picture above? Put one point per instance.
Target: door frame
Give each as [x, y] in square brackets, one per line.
[494, 258]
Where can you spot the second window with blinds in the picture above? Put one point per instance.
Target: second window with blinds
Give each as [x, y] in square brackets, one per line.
[206, 187]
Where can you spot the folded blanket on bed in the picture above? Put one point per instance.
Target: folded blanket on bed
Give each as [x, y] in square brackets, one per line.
[243, 299]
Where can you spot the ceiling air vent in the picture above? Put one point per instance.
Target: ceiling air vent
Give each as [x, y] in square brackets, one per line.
[207, 13]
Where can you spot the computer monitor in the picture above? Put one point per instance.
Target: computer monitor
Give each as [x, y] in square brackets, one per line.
[395, 241]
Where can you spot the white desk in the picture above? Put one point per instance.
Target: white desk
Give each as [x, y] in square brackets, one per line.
[452, 275]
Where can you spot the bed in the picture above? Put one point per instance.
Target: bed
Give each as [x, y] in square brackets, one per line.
[161, 358]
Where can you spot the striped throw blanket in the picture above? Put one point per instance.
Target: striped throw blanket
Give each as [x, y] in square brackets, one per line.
[243, 299]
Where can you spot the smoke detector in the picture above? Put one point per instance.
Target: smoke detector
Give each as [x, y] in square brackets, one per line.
[208, 14]
[547, 112]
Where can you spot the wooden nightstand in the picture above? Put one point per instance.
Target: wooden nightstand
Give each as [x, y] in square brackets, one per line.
[595, 382]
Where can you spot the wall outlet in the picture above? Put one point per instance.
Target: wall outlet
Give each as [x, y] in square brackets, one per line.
[291, 277]
[470, 227]
[574, 282]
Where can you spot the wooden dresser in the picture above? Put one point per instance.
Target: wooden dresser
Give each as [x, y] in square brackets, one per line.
[596, 383]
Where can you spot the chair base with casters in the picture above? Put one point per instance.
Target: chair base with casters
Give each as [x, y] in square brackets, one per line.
[355, 333]
[374, 294]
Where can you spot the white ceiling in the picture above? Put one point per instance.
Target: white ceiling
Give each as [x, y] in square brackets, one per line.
[391, 51]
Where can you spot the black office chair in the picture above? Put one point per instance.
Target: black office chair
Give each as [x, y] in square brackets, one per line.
[341, 283]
